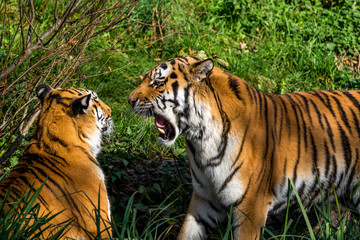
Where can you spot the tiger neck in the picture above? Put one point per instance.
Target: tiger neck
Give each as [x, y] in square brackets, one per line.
[225, 115]
[61, 135]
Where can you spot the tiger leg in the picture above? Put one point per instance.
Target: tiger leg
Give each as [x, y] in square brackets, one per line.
[201, 218]
[249, 217]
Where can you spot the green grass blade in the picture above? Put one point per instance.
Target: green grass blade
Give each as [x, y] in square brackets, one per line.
[303, 211]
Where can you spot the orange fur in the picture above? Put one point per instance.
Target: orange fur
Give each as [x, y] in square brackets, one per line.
[59, 151]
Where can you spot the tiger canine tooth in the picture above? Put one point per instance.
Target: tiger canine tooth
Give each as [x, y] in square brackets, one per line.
[159, 130]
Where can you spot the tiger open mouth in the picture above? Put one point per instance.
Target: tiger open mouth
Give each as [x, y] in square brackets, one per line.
[164, 128]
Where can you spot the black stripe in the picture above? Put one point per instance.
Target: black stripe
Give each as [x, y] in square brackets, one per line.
[90, 157]
[326, 103]
[357, 124]
[216, 208]
[314, 155]
[302, 119]
[301, 189]
[197, 59]
[286, 114]
[192, 151]
[342, 114]
[334, 171]
[351, 175]
[175, 87]
[330, 133]
[202, 221]
[260, 96]
[186, 99]
[158, 101]
[327, 159]
[234, 86]
[72, 90]
[352, 99]
[197, 180]
[346, 147]
[239, 201]
[241, 145]
[318, 114]
[284, 176]
[267, 141]
[279, 130]
[54, 169]
[314, 191]
[54, 138]
[226, 128]
[229, 178]
[298, 137]
[64, 191]
[307, 107]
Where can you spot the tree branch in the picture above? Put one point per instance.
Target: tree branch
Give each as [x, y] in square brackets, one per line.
[29, 50]
[2, 31]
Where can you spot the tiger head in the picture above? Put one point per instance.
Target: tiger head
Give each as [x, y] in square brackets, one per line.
[167, 93]
[73, 114]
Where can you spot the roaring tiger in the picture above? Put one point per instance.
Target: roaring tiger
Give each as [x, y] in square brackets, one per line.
[243, 145]
[62, 154]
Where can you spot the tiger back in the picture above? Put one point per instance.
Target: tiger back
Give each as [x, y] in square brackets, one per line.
[62, 155]
[243, 145]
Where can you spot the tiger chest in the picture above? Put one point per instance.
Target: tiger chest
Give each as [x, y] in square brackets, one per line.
[215, 177]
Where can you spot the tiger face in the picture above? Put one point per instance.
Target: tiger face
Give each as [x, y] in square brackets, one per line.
[164, 94]
[91, 115]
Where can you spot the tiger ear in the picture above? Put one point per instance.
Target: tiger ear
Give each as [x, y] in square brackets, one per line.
[201, 70]
[42, 90]
[81, 104]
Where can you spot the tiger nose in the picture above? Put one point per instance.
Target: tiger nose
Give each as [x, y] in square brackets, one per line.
[132, 102]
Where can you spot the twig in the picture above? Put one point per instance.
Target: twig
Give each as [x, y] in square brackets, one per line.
[103, 73]
[18, 140]
[115, 23]
[3, 29]
[56, 17]
[28, 51]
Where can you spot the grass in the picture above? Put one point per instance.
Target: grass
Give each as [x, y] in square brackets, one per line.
[22, 218]
[278, 46]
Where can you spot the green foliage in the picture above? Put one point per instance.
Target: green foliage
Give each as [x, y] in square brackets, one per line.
[22, 218]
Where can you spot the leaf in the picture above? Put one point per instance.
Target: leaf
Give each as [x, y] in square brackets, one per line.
[128, 131]
[179, 151]
[223, 63]
[157, 187]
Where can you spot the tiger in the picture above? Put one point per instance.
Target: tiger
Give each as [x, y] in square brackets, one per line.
[245, 146]
[61, 158]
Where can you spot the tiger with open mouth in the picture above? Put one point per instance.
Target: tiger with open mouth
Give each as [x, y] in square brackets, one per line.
[244, 145]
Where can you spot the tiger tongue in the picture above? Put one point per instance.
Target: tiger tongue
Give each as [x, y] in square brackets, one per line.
[160, 123]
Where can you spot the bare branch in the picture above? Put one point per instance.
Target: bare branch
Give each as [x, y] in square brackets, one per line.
[2, 31]
[29, 50]
[31, 21]
[106, 28]
[56, 17]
